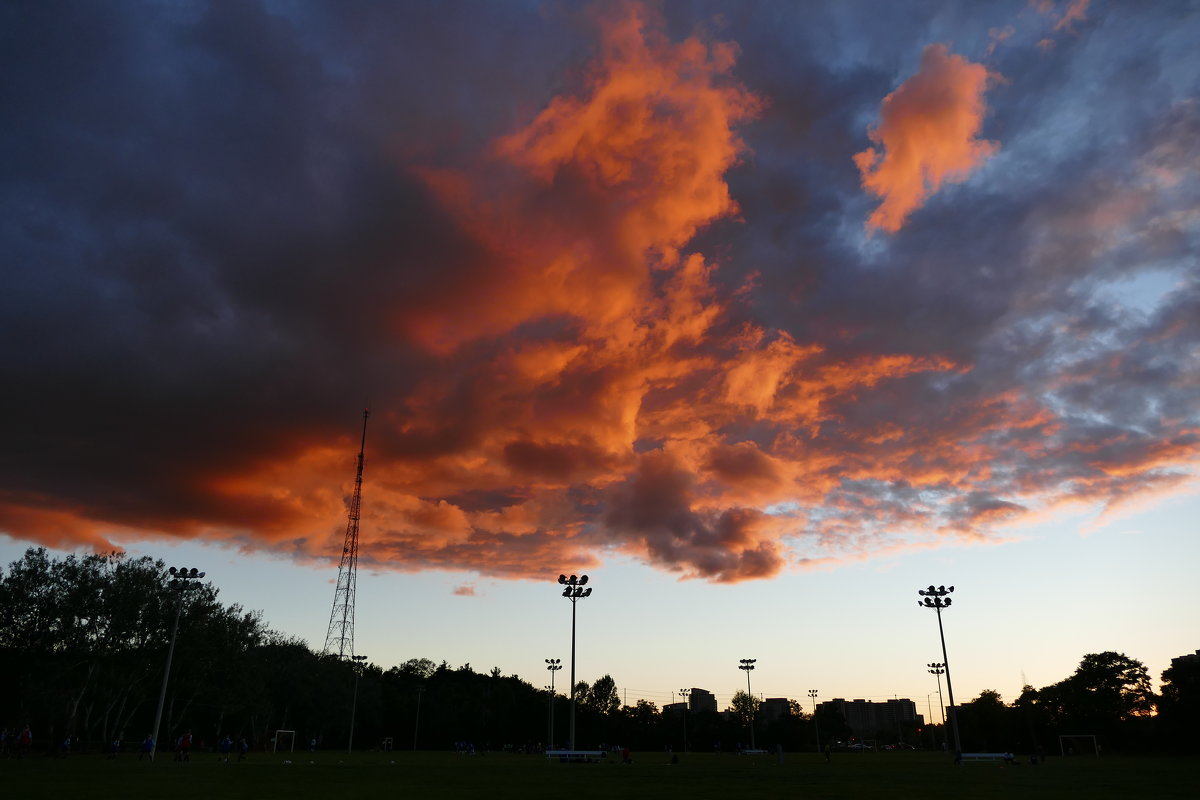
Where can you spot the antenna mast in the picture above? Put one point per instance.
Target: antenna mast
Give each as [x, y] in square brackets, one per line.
[339, 638]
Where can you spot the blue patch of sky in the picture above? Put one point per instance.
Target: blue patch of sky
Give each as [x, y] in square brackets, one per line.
[1142, 292]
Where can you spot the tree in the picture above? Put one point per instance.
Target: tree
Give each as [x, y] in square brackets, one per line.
[1109, 695]
[984, 722]
[746, 707]
[603, 696]
[1179, 706]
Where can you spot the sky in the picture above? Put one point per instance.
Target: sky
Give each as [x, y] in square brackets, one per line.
[762, 314]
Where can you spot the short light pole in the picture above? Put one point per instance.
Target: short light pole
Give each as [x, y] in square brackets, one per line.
[935, 598]
[554, 665]
[182, 580]
[417, 724]
[747, 664]
[938, 669]
[357, 662]
[812, 693]
[573, 590]
[686, 694]
[929, 710]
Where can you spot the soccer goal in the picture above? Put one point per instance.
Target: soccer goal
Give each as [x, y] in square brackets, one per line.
[285, 740]
[1079, 745]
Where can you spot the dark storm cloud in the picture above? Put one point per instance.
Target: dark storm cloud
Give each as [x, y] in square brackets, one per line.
[228, 226]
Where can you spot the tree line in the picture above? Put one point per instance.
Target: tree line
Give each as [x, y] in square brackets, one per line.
[84, 639]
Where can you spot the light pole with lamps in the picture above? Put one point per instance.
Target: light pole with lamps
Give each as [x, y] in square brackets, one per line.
[554, 665]
[686, 695]
[573, 590]
[929, 710]
[938, 670]
[812, 693]
[935, 598]
[357, 662]
[182, 580]
[747, 664]
[417, 723]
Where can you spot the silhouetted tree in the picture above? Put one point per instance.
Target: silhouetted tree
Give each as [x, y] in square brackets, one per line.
[1108, 695]
[603, 696]
[1179, 705]
[745, 708]
[984, 723]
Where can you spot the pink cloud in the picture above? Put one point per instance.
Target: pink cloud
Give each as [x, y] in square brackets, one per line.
[928, 135]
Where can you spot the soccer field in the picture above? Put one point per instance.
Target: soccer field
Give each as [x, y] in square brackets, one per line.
[406, 774]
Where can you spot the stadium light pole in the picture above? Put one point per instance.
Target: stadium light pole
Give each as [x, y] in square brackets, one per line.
[812, 693]
[357, 663]
[417, 723]
[183, 580]
[938, 670]
[747, 664]
[935, 598]
[929, 711]
[686, 694]
[573, 590]
[554, 665]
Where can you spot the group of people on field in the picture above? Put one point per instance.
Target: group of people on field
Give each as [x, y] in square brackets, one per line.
[19, 743]
[16, 743]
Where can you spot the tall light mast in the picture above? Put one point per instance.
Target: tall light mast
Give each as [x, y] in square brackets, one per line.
[339, 639]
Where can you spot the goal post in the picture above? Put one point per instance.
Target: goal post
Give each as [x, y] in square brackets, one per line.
[291, 740]
[1079, 744]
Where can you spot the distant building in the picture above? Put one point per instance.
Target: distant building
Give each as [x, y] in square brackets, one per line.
[865, 718]
[674, 708]
[773, 708]
[1188, 659]
[702, 700]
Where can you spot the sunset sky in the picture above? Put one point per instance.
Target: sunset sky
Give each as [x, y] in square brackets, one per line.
[762, 314]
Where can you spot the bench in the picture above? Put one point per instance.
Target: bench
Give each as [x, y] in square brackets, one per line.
[753, 752]
[1005, 757]
[578, 756]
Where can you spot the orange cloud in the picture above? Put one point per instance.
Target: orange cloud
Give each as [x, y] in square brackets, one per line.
[928, 135]
[605, 181]
[1076, 11]
[997, 36]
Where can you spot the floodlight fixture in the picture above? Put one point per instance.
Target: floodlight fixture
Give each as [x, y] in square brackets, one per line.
[937, 669]
[812, 693]
[573, 590]
[747, 664]
[182, 580]
[936, 598]
[686, 695]
[553, 665]
[357, 662]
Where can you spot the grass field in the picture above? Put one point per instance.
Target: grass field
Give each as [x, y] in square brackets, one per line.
[497, 776]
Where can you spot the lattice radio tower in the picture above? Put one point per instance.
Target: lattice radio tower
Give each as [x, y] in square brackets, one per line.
[339, 638]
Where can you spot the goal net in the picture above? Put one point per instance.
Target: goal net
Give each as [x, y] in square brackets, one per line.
[285, 740]
[1078, 745]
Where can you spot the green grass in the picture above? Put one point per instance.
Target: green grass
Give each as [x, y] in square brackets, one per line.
[498, 776]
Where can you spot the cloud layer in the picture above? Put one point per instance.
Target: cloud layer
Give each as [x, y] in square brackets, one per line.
[599, 275]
